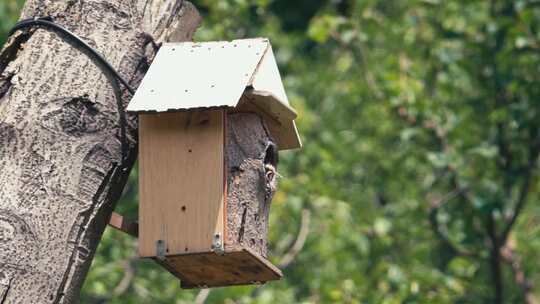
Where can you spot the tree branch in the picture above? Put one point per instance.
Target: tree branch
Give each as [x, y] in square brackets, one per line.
[522, 199]
[303, 233]
[442, 232]
[289, 257]
[510, 256]
[495, 260]
[534, 153]
[129, 274]
[202, 296]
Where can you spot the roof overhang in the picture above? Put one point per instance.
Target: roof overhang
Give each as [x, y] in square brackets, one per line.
[194, 76]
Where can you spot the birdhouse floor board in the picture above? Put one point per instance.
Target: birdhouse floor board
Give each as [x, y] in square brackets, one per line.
[237, 266]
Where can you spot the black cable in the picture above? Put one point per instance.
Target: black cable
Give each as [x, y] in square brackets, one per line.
[49, 23]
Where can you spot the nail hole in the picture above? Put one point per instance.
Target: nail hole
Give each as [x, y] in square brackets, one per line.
[184, 208]
[187, 249]
[190, 150]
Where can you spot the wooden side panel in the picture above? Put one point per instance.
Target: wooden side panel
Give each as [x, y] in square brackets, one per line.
[237, 266]
[181, 163]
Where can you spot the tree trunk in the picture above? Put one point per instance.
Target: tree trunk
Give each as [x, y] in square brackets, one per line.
[64, 157]
[252, 159]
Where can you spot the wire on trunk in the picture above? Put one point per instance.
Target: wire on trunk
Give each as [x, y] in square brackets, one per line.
[47, 22]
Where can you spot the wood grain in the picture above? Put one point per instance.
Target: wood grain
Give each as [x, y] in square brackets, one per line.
[120, 223]
[237, 266]
[181, 181]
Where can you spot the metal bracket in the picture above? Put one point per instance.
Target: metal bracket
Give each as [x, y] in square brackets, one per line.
[217, 245]
[160, 250]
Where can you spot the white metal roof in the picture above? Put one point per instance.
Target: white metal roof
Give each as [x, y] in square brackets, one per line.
[192, 75]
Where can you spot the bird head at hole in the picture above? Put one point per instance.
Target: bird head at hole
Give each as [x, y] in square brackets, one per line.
[271, 160]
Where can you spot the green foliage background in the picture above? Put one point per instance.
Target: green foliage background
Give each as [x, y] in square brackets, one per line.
[421, 124]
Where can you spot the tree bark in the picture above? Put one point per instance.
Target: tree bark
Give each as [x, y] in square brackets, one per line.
[252, 159]
[64, 156]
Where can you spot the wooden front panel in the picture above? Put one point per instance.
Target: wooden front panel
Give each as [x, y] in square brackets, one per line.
[181, 176]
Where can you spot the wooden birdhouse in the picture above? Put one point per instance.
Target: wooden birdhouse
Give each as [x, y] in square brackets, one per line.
[211, 119]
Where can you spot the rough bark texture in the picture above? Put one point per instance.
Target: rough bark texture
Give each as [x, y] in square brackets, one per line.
[252, 164]
[64, 158]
